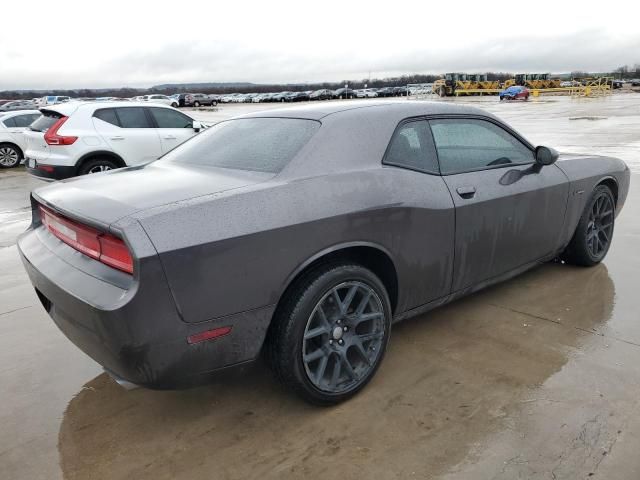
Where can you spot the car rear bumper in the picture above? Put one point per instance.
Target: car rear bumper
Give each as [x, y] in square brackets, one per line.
[133, 330]
[49, 172]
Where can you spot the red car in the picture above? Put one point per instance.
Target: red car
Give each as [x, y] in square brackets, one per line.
[515, 92]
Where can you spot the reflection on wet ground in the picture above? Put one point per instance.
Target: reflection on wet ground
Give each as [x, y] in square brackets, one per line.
[533, 378]
[449, 379]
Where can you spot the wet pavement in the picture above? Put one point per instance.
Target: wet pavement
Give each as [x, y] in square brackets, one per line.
[535, 378]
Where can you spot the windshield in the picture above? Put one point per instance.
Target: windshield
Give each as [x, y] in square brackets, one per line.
[256, 144]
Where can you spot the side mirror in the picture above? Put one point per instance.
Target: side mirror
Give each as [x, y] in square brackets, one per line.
[197, 126]
[545, 155]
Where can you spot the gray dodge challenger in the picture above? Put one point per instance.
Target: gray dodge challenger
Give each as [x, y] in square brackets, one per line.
[304, 234]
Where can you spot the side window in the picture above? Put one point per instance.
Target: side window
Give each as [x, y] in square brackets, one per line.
[133, 117]
[10, 122]
[412, 147]
[107, 115]
[470, 144]
[24, 120]
[166, 118]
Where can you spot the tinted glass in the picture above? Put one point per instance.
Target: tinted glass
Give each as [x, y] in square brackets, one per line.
[412, 147]
[25, 120]
[9, 122]
[258, 144]
[467, 144]
[166, 118]
[133, 117]
[47, 119]
[107, 115]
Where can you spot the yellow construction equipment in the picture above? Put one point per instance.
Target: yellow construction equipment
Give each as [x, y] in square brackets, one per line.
[533, 81]
[464, 84]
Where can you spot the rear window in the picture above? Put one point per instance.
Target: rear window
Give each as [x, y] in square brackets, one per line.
[47, 119]
[256, 144]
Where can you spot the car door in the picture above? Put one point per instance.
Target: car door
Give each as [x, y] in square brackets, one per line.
[173, 127]
[509, 209]
[426, 241]
[129, 132]
[17, 126]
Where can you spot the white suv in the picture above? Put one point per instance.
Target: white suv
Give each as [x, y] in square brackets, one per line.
[12, 135]
[79, 138]
[162, 99]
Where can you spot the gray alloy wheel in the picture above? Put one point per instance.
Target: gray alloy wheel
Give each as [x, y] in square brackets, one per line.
[9, 156]
[594, 232]
[329, 332]
[343, 337]
[600, 226]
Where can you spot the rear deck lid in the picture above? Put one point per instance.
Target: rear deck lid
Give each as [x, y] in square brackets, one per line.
[104, 198]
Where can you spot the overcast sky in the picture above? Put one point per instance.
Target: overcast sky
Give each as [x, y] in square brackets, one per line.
[136, 43]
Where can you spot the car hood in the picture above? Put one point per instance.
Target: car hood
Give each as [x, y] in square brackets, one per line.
[104, 198]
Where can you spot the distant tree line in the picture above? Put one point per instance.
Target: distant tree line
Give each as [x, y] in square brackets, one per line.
[624, 71]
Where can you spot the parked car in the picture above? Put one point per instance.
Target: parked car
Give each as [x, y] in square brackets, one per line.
[400, 91]
[635, 82]
[12, 140]
[53, 100]
[366, 93]
[199, 99]
[386, 92]
[280, 97]
[296, 97]
[322, 94]
[18, 105]
[78, 138]
[163, 99]
[159, 273]
[515, 92]
[344, 93]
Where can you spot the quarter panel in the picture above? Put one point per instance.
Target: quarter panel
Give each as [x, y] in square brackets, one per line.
[237, 252]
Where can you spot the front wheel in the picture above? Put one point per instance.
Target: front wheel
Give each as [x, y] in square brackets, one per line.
[196, 104]
[330, 333]
[593, 235]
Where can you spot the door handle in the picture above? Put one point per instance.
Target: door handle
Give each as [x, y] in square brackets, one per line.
[466, 192]
[170, 138]
[117, 138]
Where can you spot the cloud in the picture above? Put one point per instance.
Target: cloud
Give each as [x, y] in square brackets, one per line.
[234, 60]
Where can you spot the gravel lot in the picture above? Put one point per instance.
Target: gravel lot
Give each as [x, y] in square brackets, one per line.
[535, 378]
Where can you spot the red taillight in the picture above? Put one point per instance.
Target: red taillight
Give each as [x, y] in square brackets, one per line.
[52, 138]
[208, 335]
[100, 246]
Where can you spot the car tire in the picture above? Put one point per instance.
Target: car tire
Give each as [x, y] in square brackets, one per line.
[329, 367]
[174, 105]
[97, 165]
[594, 232]
[196, 104]
[10, 155]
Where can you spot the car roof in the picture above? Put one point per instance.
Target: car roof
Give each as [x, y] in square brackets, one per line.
[403, 108]
[14, 113]
[68, 108]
